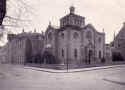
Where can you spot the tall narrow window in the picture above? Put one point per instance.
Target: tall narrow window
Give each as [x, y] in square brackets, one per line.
[62, 35]
[75, 35]
[75, 53]
[50, 36]
[100, 54]
[100, 39]
[62, 53]
[89, 35]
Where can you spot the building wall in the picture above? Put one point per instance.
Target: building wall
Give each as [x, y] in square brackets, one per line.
[50, 39]
[68, 44]
[108, 53]
[70, 39]
[3, 54]
[74, 43]
[62, 45]
[119, 42]
[100, 46]
[17, 47]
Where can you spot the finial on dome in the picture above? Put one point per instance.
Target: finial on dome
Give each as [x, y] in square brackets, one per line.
[103, 30]
[72, 9]
[49, 23]
[23, 30]
[123, 23]
[114, 34]
[35, 30]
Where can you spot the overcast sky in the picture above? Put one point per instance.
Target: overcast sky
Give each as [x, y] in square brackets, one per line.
[107, 14]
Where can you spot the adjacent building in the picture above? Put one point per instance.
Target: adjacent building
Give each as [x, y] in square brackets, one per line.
[119, 44]
[3, 54]
[108, 53]
[73, 42]
[24, 48]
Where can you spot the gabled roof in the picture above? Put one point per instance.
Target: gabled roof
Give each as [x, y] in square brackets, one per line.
[122, 31]
[93, 28]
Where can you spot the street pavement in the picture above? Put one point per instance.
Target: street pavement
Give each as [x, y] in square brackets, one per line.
[17, 77]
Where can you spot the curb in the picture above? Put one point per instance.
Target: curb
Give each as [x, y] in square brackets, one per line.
[72, 71]
[115, 81]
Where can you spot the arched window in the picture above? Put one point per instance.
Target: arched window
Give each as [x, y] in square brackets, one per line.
[75, 53]
[89, 35]
[100, 54]
[75, 35]
[62, 53]
[50, 36]
[28, 50]
[100, 39]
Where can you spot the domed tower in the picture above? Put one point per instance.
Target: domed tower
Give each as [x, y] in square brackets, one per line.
[72, 19]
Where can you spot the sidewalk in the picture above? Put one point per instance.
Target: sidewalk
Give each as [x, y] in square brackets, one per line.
[116, 78]
[73, 70]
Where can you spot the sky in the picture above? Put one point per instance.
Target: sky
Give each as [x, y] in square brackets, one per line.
[102, 14]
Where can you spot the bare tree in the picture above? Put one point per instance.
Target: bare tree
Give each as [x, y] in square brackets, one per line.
[18, 15]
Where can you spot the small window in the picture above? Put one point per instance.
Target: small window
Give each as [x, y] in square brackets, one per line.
[50, 36]
[75, 53]
[100, 54]
[76, 35]
[99, 39]
[118, 43]
[89, 35]
[62, 35]
[62, 53]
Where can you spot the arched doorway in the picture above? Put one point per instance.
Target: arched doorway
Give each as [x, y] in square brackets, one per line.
[90, 53]
[100, 55]
[48, 57]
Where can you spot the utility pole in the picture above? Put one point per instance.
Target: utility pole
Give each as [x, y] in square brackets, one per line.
[67, 65]
[104, 46]
[67, 61]
[68, 37]
[94, 46]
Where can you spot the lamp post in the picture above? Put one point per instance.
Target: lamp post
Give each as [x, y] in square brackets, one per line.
[67, 65]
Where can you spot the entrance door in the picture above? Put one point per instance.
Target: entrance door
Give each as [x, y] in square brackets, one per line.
[48, 58]
[88, 55]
